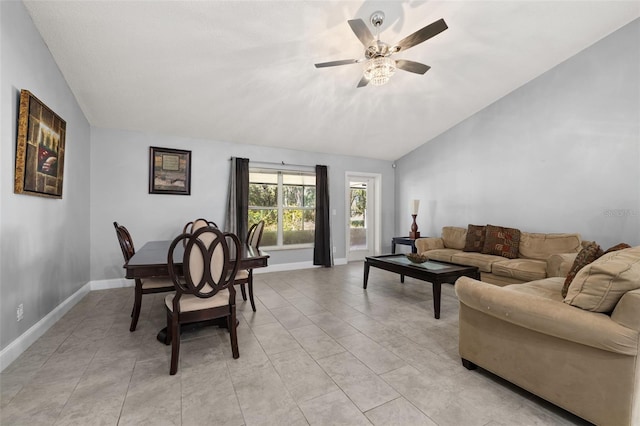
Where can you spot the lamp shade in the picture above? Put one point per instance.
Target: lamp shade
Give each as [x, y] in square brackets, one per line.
[414, 206]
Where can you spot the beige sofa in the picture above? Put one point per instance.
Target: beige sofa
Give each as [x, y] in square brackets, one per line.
[539, 255]
[585, 362]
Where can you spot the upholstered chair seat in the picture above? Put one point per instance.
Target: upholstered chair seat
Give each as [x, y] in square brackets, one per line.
[191, 302]
[242, 274]
[149, 283]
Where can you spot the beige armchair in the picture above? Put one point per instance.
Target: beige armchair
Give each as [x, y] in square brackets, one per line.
[585, 362]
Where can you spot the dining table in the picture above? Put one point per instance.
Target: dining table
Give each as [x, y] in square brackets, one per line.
[151, 261]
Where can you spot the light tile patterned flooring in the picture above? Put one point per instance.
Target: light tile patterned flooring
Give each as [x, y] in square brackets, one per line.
[320, 350]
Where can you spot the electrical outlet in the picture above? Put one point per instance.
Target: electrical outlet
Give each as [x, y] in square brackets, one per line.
[20, 312]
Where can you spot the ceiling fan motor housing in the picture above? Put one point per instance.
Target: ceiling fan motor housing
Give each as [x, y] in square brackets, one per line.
[376, 49]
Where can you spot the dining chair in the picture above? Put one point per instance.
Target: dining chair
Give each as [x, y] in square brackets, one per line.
[204, 285]
[245, 276]
[142, 286]
[191, 227]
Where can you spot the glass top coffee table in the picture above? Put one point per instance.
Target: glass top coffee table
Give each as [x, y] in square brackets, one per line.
[432, 271]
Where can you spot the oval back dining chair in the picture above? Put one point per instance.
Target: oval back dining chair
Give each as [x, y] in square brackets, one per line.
[204, 285]
[254, 236]
[142, 286]
[193, 226]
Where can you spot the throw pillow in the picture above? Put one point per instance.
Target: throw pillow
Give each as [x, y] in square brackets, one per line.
[599, 286]
[475, 238]
[501, 241]
[619, 246]
[588, 254]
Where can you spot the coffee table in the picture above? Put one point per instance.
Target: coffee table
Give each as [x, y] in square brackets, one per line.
[434, 272]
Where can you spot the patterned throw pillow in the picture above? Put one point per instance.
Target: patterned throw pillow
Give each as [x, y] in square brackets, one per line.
[588, 254]
[475, 238]
[501, 241]
[620, 246]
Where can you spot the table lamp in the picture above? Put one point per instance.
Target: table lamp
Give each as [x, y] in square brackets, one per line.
[414, 206]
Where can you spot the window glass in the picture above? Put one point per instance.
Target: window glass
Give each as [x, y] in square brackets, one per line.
[286, 201]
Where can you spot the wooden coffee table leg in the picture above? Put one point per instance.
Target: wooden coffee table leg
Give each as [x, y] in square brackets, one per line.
[366, 274]
[401, 278]
[437, 290]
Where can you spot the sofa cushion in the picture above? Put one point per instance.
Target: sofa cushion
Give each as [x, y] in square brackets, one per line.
[600, 285]
[484, 262]
[443, 255]
[588, 254]
[501, 241]
[426, 244]
[559, 265]
[522, 269]
[548, 288]
[541, 246]
[454, 237]
[475, 238]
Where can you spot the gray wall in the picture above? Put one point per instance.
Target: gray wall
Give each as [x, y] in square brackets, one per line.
[119, 184]
[44, 242]
[560, 154]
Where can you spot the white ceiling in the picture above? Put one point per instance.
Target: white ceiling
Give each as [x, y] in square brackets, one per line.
[242, 71]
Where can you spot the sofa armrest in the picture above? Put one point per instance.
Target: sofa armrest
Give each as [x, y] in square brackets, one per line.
[547, 316]
[426, 244]
[559, 265]
[627, 311]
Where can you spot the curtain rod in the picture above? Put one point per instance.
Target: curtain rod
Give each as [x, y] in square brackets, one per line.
[281, 164]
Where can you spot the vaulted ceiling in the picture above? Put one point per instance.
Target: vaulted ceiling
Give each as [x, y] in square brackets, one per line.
[243, 71]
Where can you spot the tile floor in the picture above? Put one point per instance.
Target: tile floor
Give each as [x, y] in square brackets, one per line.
[320, 350]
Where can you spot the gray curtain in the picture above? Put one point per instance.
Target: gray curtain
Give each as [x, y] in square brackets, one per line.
[322, 252]
[238, 201]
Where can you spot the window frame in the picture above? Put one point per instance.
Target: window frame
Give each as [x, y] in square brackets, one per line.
[280, 207]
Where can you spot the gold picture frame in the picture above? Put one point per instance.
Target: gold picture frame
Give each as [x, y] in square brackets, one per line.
[40, 149]
[169, 171]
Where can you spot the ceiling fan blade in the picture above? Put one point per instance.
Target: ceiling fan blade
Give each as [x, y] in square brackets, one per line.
[361, 31]
[336, 63]
[411, 66]
[421, 35]
[363, 82]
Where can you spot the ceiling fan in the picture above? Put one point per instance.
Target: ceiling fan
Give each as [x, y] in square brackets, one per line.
[377, 54]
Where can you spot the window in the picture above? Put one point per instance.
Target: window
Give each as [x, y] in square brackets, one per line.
[286, 201]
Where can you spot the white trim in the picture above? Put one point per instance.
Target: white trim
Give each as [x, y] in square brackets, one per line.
[26, 339]
[109, 284]
[280, 267]
[377, 210]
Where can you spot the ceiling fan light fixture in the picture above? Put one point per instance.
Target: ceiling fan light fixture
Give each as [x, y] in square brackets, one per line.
[379, 70]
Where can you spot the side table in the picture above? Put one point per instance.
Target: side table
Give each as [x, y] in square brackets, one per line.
[403, 241]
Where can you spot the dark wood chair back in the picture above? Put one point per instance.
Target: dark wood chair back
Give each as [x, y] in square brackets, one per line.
[193, 226]
[206, 266]
[125, 240]
[142, 286]
[254, 236]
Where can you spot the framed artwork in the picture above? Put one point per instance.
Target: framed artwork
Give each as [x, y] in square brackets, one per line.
[169, 171]
[39, 149]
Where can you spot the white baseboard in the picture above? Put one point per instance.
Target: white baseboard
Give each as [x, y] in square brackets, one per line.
[26, 339]
[280, 267]
[109, 284]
